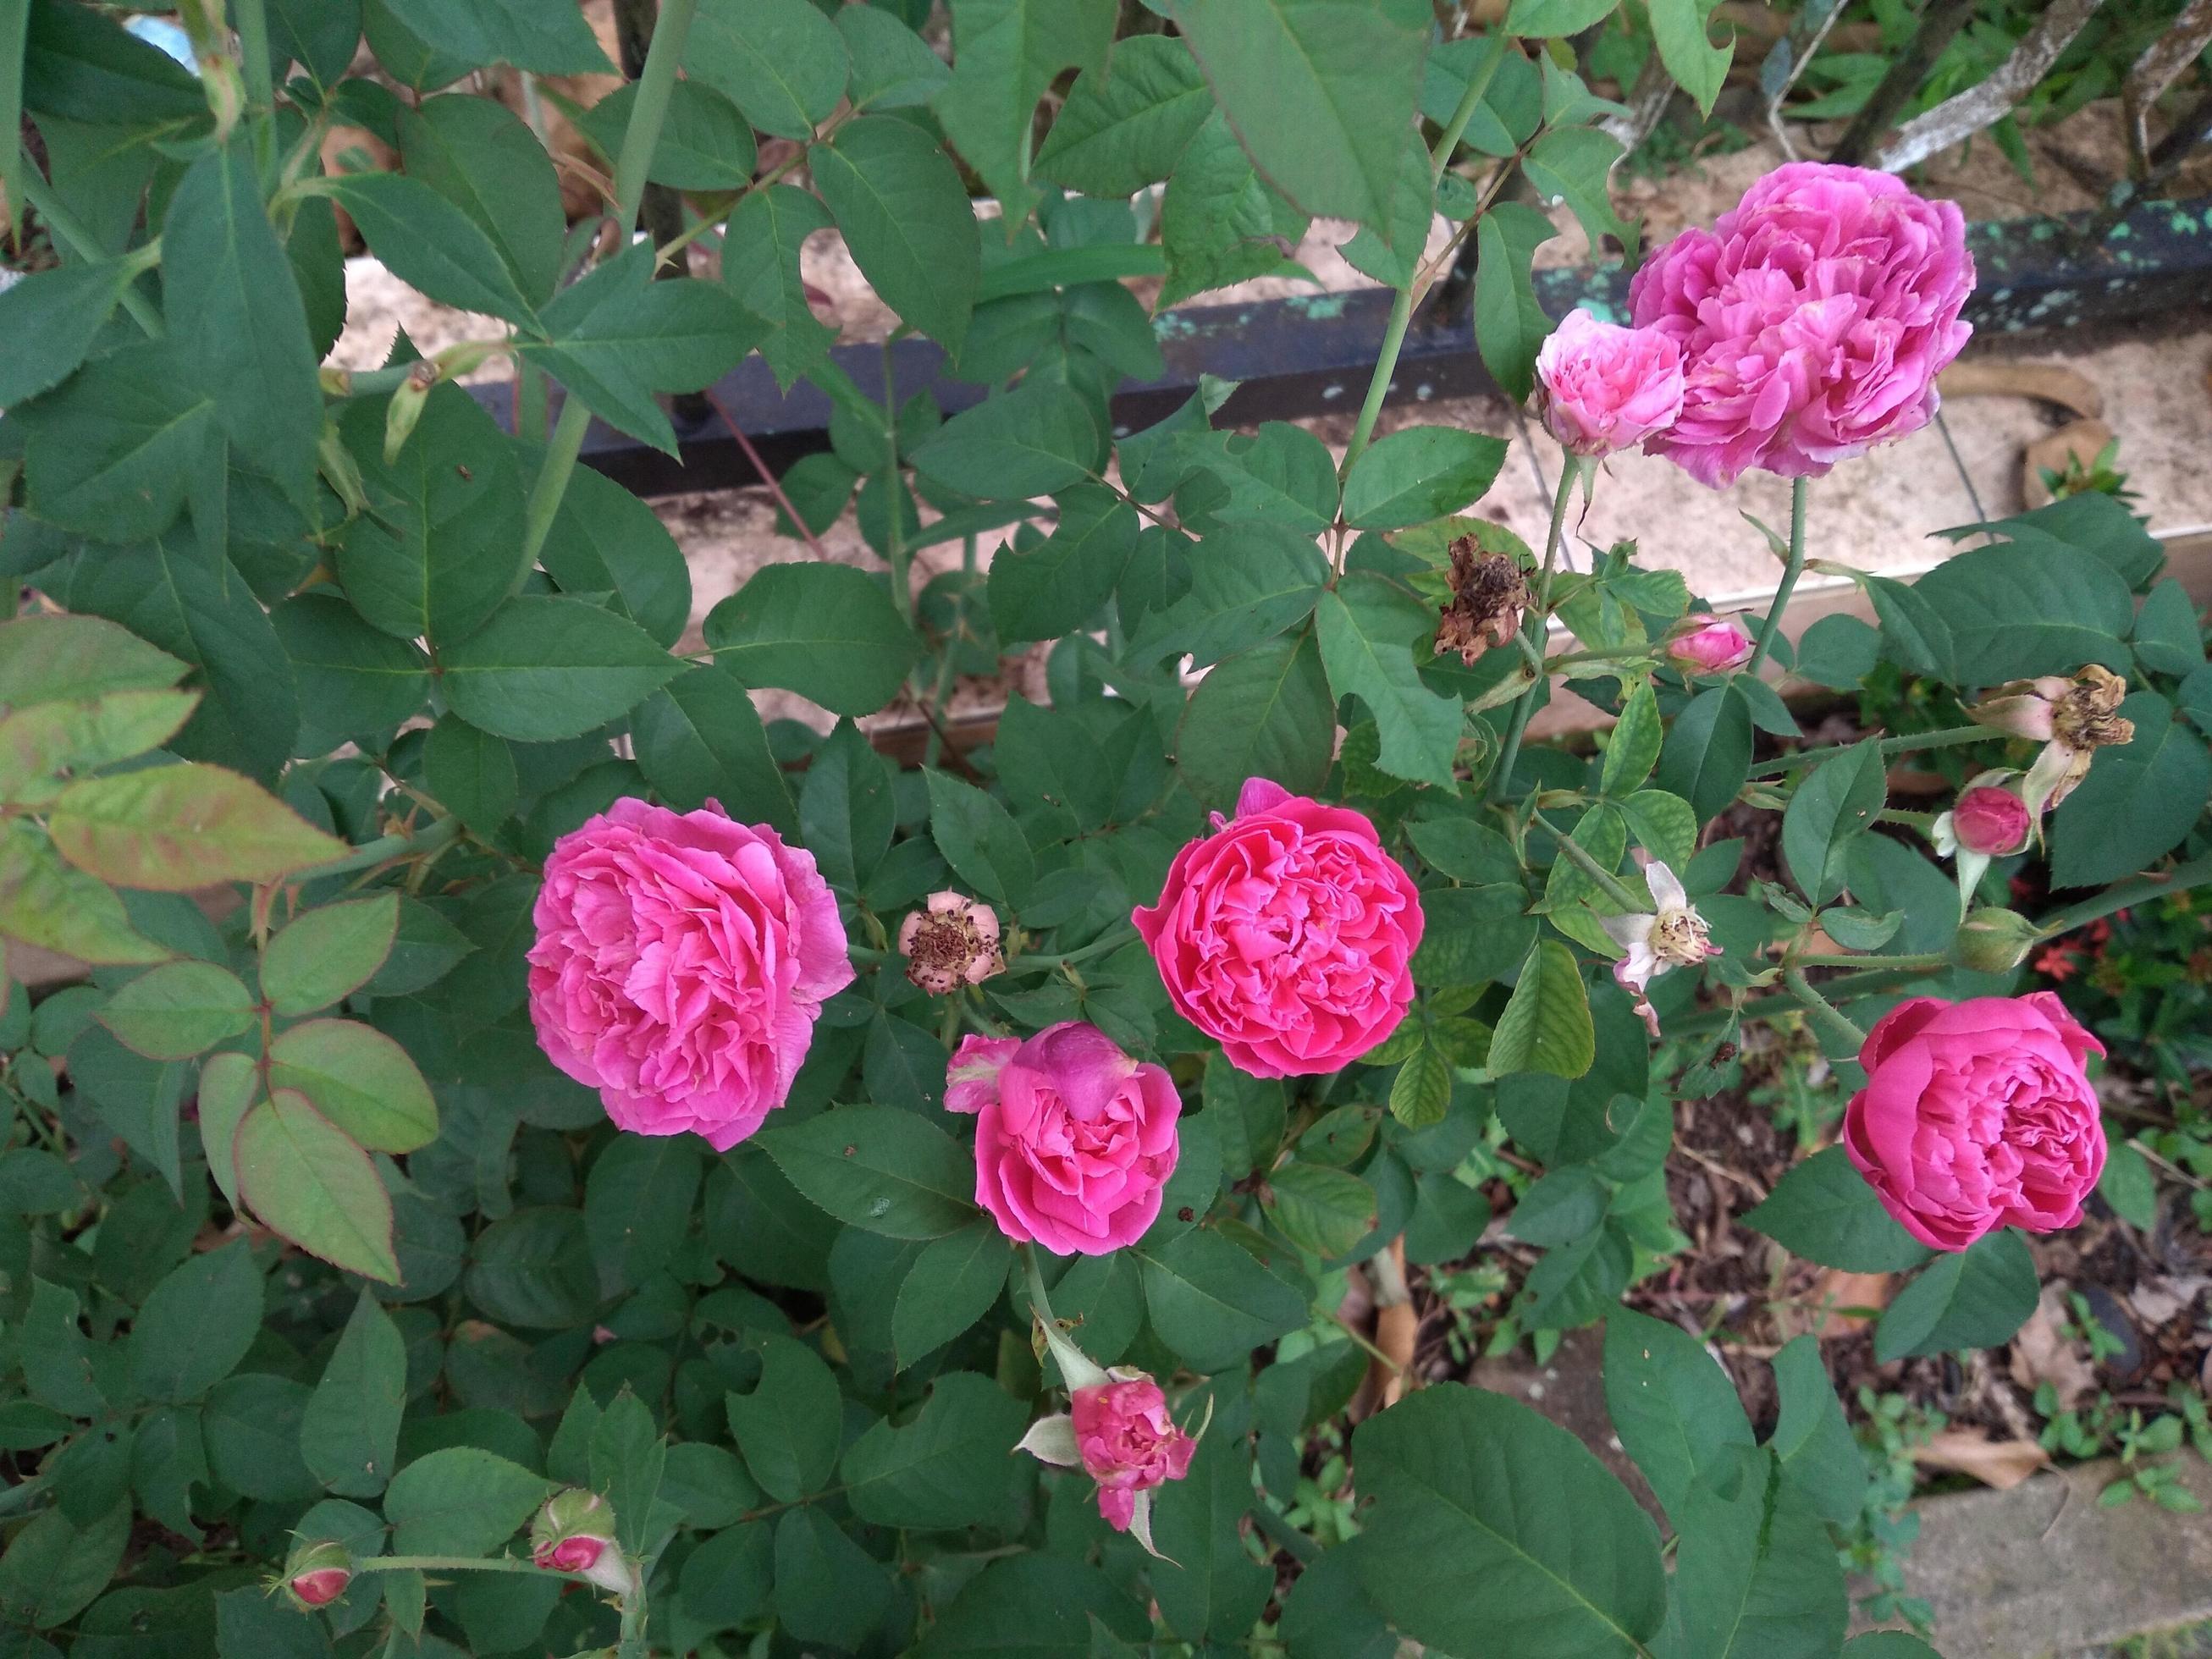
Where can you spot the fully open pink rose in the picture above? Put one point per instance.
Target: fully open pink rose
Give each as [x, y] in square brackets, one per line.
[1992, 820]
[1286, 933]
[1978, 1115]
[1706, 644]
[681, 961]
[1813, 321]
[1606, 387]
[1073, 1138]
[1128, 1442]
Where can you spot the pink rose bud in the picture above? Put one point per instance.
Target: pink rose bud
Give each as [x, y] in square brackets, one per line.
[1706, 644]
[1978, 1115]
[681, 961]
[1128, 1442]
[951, 942]
[1073, 1139]
[1990, 820]
[1813, 321]
[1603, 388]
[1285, 935]
[574, 1532]
[317, 1574]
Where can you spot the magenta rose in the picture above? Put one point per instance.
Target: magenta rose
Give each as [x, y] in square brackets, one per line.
[681, 961]
[1706, 644]
[1128, 1442]
[1286, 933]
[1813, 321]
[1606, 387]
[1978, 1115]
[1073, 1139]
[1990, 820]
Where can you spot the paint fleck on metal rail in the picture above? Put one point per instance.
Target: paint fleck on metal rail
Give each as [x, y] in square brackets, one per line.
[1310, 355]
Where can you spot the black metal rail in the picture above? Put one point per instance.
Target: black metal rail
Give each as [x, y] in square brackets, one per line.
[1311, 355]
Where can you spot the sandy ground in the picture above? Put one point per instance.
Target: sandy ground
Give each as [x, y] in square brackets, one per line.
[1877, 512]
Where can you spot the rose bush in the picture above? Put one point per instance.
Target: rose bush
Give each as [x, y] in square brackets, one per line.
[512, 1151]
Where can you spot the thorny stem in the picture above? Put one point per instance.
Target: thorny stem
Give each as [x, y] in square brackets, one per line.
[1607, 881]
[251, 19]
[70, 229]
[1791, 571]
[1532, 631]
[1402, 308]
[1825, 1014]
[2137, 890]
[1948, 736]
[431, 836]
[1925, 959]
[639, 140]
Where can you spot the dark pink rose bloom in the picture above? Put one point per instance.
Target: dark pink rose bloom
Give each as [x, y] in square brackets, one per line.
[681, 961]
[1706, 644]
[1073, 1139]
[1813, 321]
[1978, 1115]
[1128, 1442]
[1990, 820]
[1286, 933]
[1605, 387]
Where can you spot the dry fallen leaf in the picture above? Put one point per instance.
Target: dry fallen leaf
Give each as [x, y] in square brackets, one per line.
[2000, 1463]
[2042, 1353]
[2159, 1298]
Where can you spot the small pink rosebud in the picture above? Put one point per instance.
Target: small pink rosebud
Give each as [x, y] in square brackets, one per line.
[953, 941]
[317, 1574]
[575, 1533]
[1604, 387]
[1706, 644]
[1990, 820]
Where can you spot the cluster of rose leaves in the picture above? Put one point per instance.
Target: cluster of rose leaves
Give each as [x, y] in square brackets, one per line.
[681, 959]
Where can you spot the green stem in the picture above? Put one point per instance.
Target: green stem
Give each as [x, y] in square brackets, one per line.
[1948, 736]
[1285, 1536]
[895, 526]
[1791, 571]
[1402, 308]
[2137, 890]
[1825, 1014]
[82, 242]
[451, 1564]
[1033, 1277]
[1111, 942]
[630, 1643]
[431, 836]
[1866, 983]
[1924, 959]
[639, 138]
[1607, 882]
[1533, 631]
[251, 18]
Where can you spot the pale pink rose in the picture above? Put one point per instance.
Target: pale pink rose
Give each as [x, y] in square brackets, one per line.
[681, 961]
[1978, 1115]
[1286, 934]
[1605, 387]
[1813, 321]
[1128, 1442]
[1706, 644]
[1990, 820]
[1073, 1139]
[574, 1532]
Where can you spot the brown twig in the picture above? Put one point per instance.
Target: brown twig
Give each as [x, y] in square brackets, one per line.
[775, 488]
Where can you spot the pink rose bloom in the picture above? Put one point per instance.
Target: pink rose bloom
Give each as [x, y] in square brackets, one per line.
[1606, 387]
[1706, 644]
[1073, 1139]
[1128, 1442]
[1813, 321]
[1284, 935]
[1978, 1115]
[681, 961]
[1990, 820]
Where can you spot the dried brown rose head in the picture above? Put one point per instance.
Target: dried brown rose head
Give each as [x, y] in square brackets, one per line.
[2087, 717]
[952, 941]
[1489, 599]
